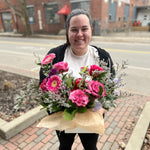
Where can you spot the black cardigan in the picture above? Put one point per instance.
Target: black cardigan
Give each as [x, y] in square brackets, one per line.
[60, 52]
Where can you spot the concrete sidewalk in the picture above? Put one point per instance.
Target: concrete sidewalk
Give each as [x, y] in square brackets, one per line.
[119, 124]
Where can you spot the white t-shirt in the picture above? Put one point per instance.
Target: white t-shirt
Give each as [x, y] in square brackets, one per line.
[76, 62]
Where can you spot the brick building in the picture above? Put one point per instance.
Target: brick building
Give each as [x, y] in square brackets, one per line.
[107, 15]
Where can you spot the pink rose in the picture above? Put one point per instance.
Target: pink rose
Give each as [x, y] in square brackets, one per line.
[93, 88]
[54, 83]
[48, 59]
[61, 66]
[43, 85]
[79, 97]
[95, 67]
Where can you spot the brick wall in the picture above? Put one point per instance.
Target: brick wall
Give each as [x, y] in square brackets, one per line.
[99, 10]
[1, 24]
[47, 28]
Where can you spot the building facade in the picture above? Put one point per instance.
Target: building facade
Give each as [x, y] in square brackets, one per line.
[7, 19]
[107, 15]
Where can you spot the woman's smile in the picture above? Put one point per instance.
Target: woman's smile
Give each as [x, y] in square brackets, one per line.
[79, 34]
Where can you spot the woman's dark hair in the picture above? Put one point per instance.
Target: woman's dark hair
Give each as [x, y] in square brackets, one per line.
[73, 13]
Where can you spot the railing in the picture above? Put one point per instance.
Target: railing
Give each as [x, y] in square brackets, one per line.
[145, 28]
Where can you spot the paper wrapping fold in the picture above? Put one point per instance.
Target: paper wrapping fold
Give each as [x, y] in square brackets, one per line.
[91, 121]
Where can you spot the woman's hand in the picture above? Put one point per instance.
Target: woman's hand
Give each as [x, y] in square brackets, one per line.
[102, 111]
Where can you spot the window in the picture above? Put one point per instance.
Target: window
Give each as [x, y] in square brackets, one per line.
[124, 18]
[112, 11]
[51, 10]
[145, 17]
[134, 14]
[119, 19]
[126, 13]
[110, 17]
[82, 4]
[30, 10]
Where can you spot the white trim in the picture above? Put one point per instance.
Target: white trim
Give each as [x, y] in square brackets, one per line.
[76, 1]
[28, 6]
[51, 3]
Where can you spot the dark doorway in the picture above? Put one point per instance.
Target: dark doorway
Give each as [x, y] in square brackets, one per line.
[7, 22]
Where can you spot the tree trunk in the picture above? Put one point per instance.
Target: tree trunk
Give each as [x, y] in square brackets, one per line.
[27, 25]
[25, 18]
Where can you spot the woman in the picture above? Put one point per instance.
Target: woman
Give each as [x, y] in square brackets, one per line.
[78, 53]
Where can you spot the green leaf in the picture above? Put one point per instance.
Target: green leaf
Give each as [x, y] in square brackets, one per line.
[83, 70]
[102, 75]
[69, 82]
[73, 105]
[56, 108]
[74, 83]
[69, 114]
[100, 90]
[82, 109]
[91, 105]
[64, 76]
[44, 104]
[39, 64]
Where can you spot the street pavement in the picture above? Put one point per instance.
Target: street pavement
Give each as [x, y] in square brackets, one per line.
[133, 37]
[119, 121]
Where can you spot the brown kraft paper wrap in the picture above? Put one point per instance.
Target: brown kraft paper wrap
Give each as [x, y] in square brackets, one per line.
[91, 121]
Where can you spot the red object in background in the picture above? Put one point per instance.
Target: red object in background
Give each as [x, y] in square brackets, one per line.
[139, 23]
[64, 11]
[135, 24]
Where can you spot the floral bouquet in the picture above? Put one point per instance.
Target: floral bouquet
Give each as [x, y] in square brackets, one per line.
[68, 97]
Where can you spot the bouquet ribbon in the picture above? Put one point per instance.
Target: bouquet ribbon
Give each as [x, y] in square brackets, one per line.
[91, 121]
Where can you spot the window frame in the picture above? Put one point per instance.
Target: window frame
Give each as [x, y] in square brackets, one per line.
[50, 16]
[111, 12]
[31, 20]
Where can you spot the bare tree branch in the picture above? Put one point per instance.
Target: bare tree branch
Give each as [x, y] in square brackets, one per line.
[22, 13]
[12, 7]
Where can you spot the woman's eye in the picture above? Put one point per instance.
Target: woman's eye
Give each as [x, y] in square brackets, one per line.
[84, 29]
[74, 30]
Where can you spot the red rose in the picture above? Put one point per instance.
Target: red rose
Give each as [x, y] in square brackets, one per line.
[94, 68]
[77, 81]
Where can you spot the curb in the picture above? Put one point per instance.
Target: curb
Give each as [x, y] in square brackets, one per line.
[144, 40]
[137, 137]
[10, 129]
[106, 38]
[20, 71]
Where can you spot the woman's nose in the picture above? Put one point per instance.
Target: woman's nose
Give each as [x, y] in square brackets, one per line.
[79, 32]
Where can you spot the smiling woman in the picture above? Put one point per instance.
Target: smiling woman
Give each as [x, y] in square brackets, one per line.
[78, 53]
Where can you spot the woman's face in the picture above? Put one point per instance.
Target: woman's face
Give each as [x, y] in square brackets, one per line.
[79, 34]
